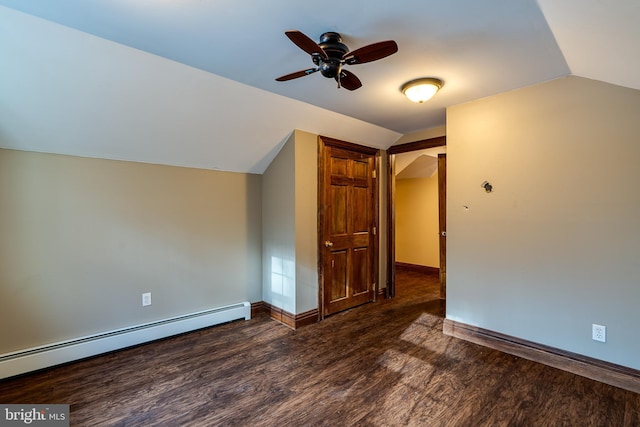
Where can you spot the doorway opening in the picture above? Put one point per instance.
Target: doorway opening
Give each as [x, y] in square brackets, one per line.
[416, 215]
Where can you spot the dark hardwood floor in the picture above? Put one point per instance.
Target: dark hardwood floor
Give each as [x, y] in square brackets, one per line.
[381, 364]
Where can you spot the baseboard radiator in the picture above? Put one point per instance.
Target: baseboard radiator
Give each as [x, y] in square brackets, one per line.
[45, 356]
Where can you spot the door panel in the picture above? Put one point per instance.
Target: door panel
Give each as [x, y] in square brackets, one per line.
[339, 166]
[346, 244]
[360, 201]
[361, 170]
[360, 273]
[339, 209]
[339, 277]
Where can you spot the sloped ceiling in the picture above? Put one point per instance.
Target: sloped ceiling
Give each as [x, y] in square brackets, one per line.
[600, 39]
[191, 82]
[418, 164]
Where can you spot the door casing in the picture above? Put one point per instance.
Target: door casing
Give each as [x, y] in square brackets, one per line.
[391, 240]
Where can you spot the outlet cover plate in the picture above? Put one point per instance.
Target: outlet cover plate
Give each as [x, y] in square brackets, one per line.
[599, 333]
[146, 299]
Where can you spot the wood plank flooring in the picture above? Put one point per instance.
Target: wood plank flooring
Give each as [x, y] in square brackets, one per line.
[381, 364]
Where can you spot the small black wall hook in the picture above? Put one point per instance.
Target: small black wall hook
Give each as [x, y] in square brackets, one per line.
[487, 186]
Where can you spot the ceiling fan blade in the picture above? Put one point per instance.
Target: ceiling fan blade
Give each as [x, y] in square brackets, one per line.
[371, 52]
[348, 80]
[297, 74]
[305, 43]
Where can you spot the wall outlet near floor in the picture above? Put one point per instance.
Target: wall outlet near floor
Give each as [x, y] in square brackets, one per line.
[599, 333]
[146, 299]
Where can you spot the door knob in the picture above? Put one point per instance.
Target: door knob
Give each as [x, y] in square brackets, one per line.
[328, 244]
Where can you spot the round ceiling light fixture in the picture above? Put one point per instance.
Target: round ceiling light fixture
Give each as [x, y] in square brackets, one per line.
[421, 90]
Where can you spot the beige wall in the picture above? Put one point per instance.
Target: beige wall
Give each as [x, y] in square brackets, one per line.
[555, 247]
[82, 239]
[306, 221]
[416, 222]
[278, 229]
[289, 216]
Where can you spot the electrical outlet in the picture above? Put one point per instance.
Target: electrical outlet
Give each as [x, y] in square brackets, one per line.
[599, 333]
[146, 299]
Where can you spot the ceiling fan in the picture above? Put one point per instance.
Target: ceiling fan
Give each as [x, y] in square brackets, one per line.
[331, 54]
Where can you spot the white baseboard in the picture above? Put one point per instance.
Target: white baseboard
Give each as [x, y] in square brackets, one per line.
[35, 358]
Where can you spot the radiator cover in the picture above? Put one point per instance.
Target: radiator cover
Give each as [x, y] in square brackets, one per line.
[45, 356]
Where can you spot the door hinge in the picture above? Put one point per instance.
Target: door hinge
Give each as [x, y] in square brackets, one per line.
[374, 174]
[375, 231]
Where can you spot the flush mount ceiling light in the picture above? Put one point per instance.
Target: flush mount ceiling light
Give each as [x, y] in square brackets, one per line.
[421, 90]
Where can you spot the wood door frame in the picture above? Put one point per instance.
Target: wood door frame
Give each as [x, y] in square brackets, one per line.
[323, 142]
[442, 222]
[440, 141]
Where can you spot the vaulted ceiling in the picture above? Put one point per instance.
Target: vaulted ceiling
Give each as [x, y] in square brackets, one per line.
[191, 82]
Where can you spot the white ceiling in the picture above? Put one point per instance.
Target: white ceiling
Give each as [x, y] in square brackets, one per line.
[191, 82]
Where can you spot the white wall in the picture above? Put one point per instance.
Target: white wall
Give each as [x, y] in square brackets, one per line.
[555, 247]
[81, 239]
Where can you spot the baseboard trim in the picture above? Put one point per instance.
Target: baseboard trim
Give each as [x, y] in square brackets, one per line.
[307, 318]
[294, 321]
[605, 372]
[417, 268]
[257, 307]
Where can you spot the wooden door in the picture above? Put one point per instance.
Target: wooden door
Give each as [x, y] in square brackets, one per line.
[442, 216]
[347, 227]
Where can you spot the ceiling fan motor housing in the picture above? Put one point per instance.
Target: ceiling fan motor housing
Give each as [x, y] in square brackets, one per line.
[332, 44]
[330, 55]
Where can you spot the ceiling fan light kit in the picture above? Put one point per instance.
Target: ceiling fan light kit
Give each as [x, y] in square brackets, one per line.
[421, 90]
